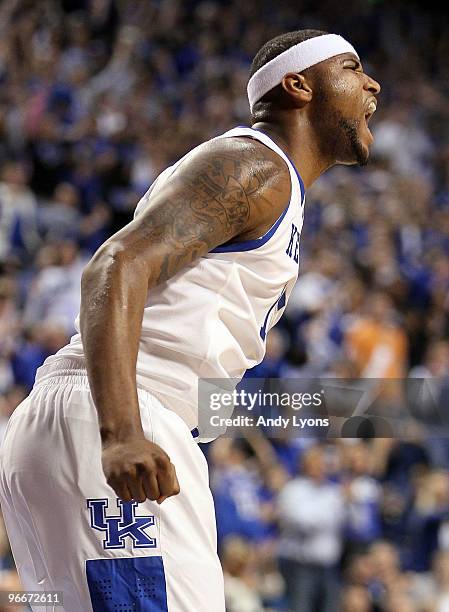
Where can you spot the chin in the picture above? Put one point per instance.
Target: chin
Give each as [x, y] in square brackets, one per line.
[359, 157]
[360, 151]
[363, 157]
[357, 150]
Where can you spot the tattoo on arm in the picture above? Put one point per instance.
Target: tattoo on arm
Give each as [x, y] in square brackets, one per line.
[208, 200]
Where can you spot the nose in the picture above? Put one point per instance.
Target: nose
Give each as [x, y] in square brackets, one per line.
[372, 85]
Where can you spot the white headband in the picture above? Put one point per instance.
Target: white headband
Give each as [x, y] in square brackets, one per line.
[296, 59]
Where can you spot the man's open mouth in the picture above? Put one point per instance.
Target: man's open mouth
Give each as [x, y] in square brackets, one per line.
[370, 110]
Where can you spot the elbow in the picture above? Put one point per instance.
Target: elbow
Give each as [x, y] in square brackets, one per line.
[109, 258]
[100, 276]
[112, 271]
[112, 282]
[102, 283]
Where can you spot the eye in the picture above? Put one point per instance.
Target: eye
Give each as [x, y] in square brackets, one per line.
[355, 67]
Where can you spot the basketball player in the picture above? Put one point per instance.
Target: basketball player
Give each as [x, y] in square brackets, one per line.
[104, 490]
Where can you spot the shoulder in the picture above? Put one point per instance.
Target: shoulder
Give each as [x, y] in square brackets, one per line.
[250, 148]
[250, 161]
[245, 166]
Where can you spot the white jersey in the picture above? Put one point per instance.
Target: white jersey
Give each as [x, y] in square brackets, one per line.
[211, 319]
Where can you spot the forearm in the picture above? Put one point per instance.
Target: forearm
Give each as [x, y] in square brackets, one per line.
[113, 296]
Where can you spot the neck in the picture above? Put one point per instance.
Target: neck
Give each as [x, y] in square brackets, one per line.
[298, 140]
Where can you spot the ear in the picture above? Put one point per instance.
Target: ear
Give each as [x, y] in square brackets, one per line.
[297, 86]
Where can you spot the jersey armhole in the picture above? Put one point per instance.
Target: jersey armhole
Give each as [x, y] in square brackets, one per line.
[249, 245]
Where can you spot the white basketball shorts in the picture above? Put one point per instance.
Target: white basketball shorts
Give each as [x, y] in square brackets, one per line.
[68, 530]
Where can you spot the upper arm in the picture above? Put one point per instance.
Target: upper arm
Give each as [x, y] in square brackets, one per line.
[228, 187]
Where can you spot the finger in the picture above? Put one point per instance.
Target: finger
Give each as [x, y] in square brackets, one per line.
[127, 494]
[168, 484]
[120, 489]
[177, 485]
[164, 497]
[166, 481]
[135, 487]
[150, 485]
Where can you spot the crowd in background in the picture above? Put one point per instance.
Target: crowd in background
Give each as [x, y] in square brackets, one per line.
[96, 98]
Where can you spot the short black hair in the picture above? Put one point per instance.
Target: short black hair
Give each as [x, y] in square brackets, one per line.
[275, 47]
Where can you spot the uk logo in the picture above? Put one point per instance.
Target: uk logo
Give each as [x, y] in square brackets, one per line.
[124, 525]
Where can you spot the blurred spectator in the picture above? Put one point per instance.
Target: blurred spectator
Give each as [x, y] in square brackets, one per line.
[237, 489]
[356, 599]
[9, 330]
[400, 602]
[427, 520]
[18, 211]
[390, 588]
[39, 342]
[55, 293]
[363, 492]
[403, 142]
[376, 343]
[359, 570]
[437, 595]
[61, 217]
[311, 516]
[241, 583]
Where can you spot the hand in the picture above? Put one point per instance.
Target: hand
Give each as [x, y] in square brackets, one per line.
[139, 469]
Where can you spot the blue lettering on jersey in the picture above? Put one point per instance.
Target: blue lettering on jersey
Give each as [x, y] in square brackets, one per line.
[119, 527]
[293, 246]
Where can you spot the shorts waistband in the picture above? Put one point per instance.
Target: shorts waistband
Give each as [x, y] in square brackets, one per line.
[72, 371]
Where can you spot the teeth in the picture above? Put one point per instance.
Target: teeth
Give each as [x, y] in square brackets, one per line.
[372, 107]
